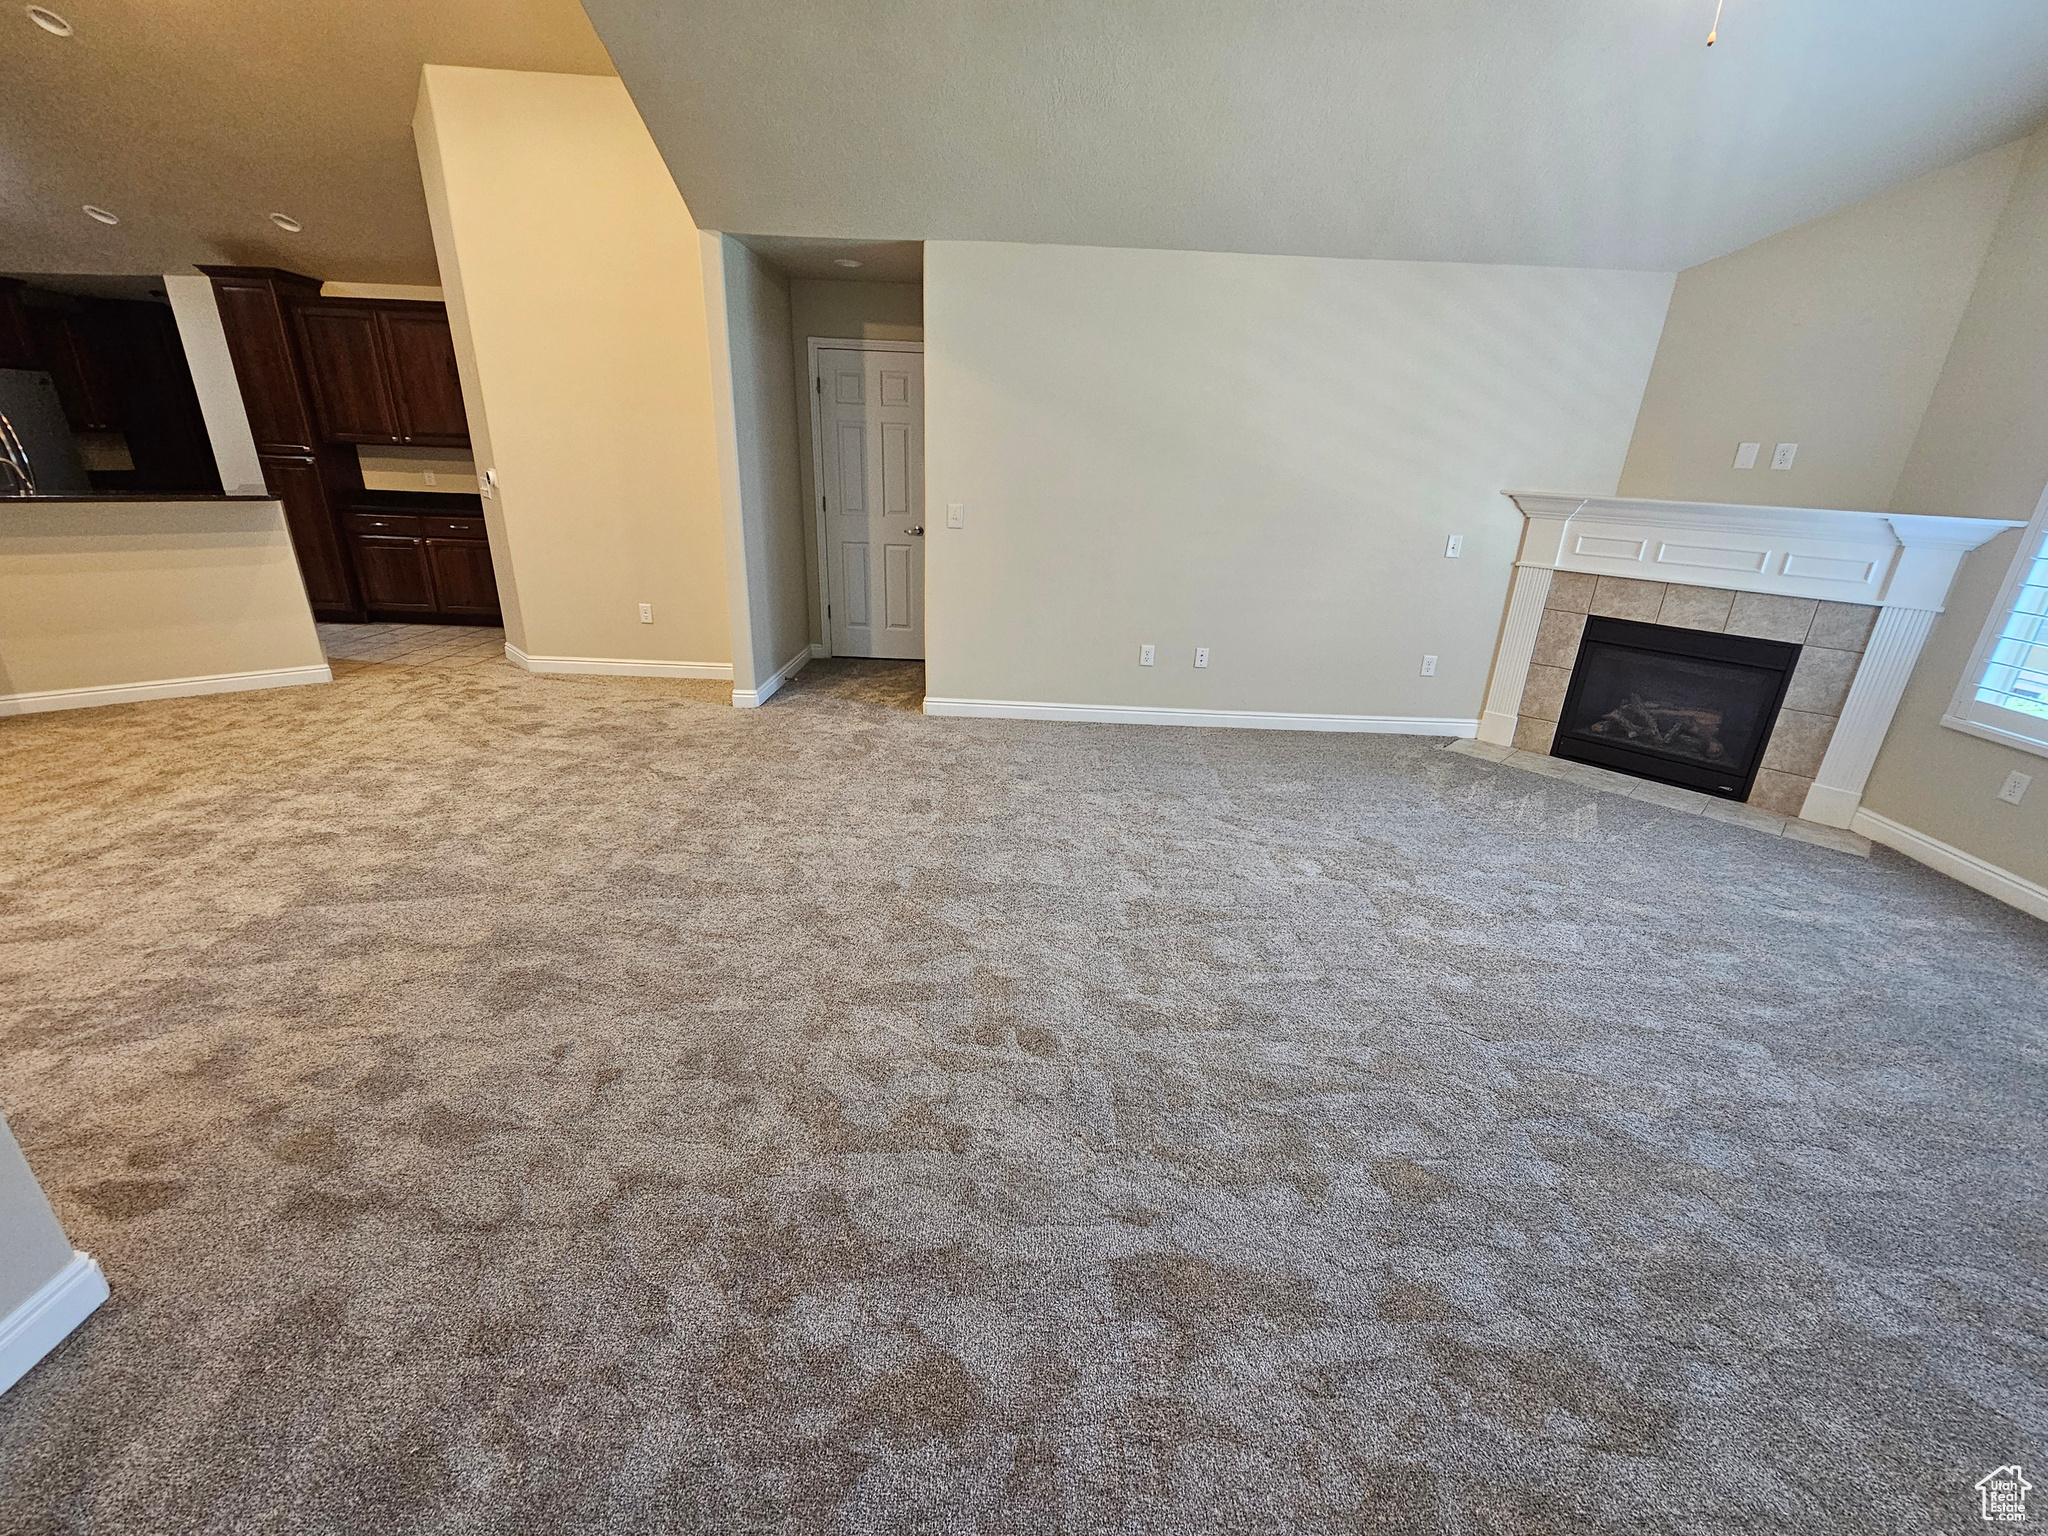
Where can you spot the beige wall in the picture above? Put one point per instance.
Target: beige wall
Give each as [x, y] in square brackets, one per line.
[1262, 455]
[35, 1248]
[1982, 451]
[838, 311]
[122, 594]
[749, 316]
[1830, 335]
[576, 293]
[213, 377]
[399, 468]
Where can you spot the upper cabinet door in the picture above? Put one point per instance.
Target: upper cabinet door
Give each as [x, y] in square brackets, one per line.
[345, 373]
[254, 322]
[423, 377]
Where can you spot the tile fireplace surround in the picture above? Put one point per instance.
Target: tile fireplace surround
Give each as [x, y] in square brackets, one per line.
[1858, 591]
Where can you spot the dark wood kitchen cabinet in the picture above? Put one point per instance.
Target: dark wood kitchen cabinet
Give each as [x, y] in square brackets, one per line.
[414, 558]
[313, 477]
[382, 372]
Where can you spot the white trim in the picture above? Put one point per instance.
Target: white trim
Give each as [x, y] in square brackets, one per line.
[1979, 874]
[819, 344]
[819, 652]
[1963, 703]
[1512, 657]
[754, 698]
[167, 688]
[604, 666]
[1237, 719]
[46, 1319]
[2011, 739]
[1889, 656]
[1883, 559]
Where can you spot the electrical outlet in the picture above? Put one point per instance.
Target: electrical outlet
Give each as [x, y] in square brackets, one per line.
[1782, 459]
[2014, 789]
[1201, 655]
[1745, 455]
[1454, 546]
[956, 514]
[647, 613]
[1144, 655]
[429, 476]
[1429, 666]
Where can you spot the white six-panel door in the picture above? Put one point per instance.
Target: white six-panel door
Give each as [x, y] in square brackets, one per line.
[870, 409]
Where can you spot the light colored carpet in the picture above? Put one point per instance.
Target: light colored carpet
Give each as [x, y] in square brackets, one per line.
[506, 1103]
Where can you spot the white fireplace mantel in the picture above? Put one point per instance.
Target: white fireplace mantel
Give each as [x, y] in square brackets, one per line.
[1899, 563]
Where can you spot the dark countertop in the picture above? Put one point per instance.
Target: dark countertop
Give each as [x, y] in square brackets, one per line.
[129, 496]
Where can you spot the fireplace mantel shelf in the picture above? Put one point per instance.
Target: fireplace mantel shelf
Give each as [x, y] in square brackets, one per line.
[1898, 563]
[1886, 559]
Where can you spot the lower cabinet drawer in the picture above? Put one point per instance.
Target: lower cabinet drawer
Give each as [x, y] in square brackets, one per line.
[394, 574]
[393, 523]
[453, 527]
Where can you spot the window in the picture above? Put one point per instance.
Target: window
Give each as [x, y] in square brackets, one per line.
[2004, 694]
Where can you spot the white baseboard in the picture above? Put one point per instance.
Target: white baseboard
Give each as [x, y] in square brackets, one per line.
[166, 688]
[754, 698]
[1979, 874]
[42, 1322]
[1234, 719]
[602, 666]
[817, 650]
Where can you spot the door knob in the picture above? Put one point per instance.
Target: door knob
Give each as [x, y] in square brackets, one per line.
[917, 532]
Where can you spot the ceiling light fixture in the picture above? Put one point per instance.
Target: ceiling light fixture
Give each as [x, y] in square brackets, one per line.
[287, 223]
[1715, 30]
[93, 211]
[844, 261]
[48, 20]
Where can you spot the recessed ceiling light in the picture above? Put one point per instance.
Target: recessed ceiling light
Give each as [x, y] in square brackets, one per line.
[287, 223]
[94, 212]
[844, 261]
[49, 20]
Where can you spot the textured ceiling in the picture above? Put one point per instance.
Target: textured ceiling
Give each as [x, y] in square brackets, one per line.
[196, 120]
[1576, 132]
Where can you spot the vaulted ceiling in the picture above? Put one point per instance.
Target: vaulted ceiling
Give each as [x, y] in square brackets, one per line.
[1575, 132]
[1585, 132]
[194, 121]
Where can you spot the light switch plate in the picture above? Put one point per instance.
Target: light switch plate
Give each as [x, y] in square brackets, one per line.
[1782, 459]
[1454, 546]
[1745, 455]
[956, 514]
[2014, 789]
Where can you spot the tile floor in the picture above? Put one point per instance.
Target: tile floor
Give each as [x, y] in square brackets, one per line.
[1668, 795]
[415, 645]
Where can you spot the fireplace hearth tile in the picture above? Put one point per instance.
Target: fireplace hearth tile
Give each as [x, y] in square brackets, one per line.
[1557, 638]
[1743, 815]
[1623, 597]
[1667, 796]
[1695, 608]
[1842, 626]
[1820, 683]
[1570, 591]
[1828, 837]
[1768, 617]
[1673, 797]
[1798, 742]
